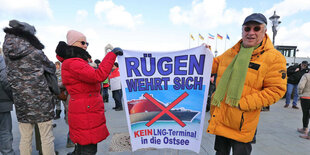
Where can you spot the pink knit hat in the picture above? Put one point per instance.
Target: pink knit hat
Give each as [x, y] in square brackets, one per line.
[73, 36]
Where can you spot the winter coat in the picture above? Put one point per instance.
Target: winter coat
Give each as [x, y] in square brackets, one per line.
[6, 98]
[105, 83]
[294, 77]
[87, 122]
[264, 85]
[58, 75]
[115, 80]
[304, 86]
[26, 64]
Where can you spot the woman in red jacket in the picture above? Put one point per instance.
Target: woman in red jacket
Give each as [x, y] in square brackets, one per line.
[87, 123]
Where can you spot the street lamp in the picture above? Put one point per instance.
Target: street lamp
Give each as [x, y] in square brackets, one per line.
[275, 22]
[294, 54]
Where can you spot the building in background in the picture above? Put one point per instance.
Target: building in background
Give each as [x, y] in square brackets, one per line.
[290, 54]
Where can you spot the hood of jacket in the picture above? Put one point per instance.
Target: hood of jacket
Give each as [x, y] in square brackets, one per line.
[20, 43]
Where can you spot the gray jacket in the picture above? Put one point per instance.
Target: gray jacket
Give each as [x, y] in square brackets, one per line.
[26, 62]
[6, 100]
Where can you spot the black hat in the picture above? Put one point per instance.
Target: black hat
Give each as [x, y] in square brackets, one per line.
[255, 17]
[97, 61]
[116, 64]
[22, 26]
[304, 62]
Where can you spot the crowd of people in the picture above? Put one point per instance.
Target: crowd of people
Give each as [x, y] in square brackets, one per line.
[249, 76]
[32, 81]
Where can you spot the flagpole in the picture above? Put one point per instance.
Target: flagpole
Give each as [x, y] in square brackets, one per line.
[225, 41]
[216, 44]
[198, 40]
[189, 41]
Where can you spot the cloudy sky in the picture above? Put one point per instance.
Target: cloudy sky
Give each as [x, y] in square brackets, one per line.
[156, 25]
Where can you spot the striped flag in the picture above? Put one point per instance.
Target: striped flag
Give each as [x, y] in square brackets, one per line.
[201, 37]
[227, 37]
[211, 36]
[219, 36]
[192, 37]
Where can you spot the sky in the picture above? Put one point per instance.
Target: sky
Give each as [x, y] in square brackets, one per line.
[156, 25]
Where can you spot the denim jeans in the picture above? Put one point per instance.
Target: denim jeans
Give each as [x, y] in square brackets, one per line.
[117, 96]
[289, 91]
[6, 136]
[105, 94]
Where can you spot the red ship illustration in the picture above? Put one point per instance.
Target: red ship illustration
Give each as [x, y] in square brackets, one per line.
[143, 110]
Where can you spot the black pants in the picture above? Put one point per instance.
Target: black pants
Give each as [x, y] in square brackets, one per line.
[117, 96]
[223, 145]
[90, 149]
[105, 94]
[305, 107]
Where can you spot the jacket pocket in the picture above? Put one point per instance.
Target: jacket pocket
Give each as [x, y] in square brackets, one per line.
[95, 104]
[233, 118]
[242, 121]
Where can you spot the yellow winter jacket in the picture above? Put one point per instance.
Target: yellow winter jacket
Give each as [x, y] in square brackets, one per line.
[264, 85]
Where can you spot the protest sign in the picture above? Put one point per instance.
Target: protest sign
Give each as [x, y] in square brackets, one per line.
[165, 96]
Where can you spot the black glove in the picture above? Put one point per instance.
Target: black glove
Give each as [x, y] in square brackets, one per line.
[117, 51]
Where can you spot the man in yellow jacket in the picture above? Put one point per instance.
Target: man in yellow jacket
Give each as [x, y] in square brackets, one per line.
[250, 75]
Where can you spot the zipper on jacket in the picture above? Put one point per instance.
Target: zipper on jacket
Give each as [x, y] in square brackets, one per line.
[241, 122]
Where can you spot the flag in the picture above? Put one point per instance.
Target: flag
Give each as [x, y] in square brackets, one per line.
[227, 37]
[211, 36]
[219, 36]
[201, 37]
[192, 37]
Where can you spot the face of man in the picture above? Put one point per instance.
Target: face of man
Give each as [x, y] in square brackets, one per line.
[253, 34]
[57, 66]
[114, 67]
[303, 66]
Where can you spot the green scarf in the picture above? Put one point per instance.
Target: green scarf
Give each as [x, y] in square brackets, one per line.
[233, 79]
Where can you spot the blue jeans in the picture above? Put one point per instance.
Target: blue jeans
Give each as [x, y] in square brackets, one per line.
[6, 136]
[117, 96]
[289, 91]
[105, 94]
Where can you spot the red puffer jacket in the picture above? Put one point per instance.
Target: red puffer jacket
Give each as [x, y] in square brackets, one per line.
[87, 123]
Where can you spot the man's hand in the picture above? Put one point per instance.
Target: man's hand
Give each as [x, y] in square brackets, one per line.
[212, 79]
[297, 69]
[207, 46]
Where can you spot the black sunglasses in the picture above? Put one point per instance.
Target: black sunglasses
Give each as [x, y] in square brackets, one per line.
[83, 43]
[248, 29]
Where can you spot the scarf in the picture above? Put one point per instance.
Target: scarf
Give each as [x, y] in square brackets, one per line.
[232, 81]
[65, 51]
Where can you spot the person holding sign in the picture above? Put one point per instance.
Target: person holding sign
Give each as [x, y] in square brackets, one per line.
[87, 123]
[250, 75]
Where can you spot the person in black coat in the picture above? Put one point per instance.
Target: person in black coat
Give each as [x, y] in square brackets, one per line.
[294, 74]
[6, 106]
